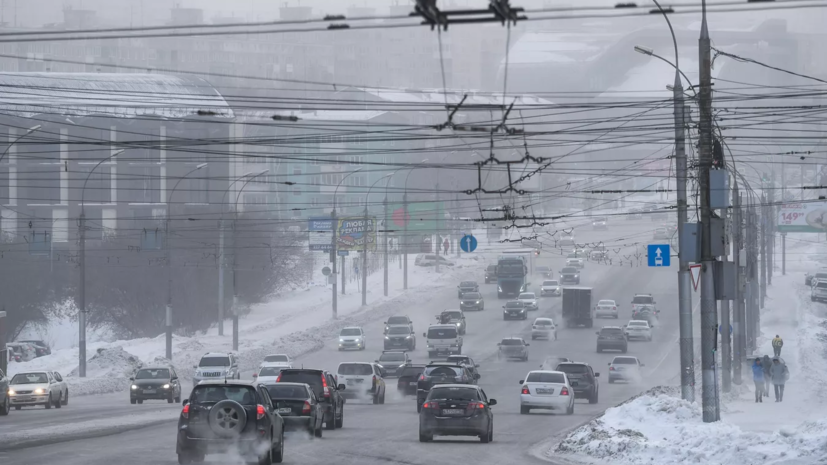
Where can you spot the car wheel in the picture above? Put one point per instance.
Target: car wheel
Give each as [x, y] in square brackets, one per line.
[140, 401]
[278, 455]
[133, 401]
[425, 437]
[418, 406]
[524, 410]
[625, 349]
[382, 399]
[485, 437]
[197, 457]
[318, 431]
[599, 350]
[49, 402]
[341, 421]
[6, 407]
[66, 399]
[170, 399]
[593, 398]
[178, 399]
[59, 402]
[184, 458]
[570, 409]
[267, 458]
[330, 423]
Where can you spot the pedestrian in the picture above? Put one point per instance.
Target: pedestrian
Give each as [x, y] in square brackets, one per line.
[777, 344]
[766, 364]
[758, 379]
[779, 374]
[446, 244]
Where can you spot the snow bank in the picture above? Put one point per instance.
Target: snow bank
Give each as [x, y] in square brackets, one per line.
[658, 427]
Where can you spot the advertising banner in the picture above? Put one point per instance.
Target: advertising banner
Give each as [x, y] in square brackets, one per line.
[420, 217]
[320, 232]
[803, 217]
[351, 233]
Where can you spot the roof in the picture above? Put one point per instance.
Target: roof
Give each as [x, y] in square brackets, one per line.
[453, 96]
[111, 94]
[456, 386]
[229, 382]
[211, 354]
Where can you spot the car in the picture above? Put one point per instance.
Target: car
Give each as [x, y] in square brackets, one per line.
[513, 347]
[216, 365]
[21, 351]
[643, 300]
[457, 410]
[277, 360]
[298, 406]
[352, 337]
[514, 309]
[529, 300]
[392, 362]
[647, 314]
[455, 317]
[362, 380]
[490, 274]
[569, 274]
[159, 383]
[598, 254]
[437, 373]
[40, 347]
[400, 337]
[606, 309]
[398, 320]
[467, 286]
[544, 271]
[546, 390]
[269, 373]
[575, 262]
[467, 362]
[443, 339]
[35, 388]
[431, 260]
[551, 287]
[661, 233]
[544, 328]
[472, 301]
[582, 378]
[638, 329]
[406, 383]
[229, 416]
[328, 392]
[818, 275]
[612, 338]
[5, 406]
[624, 369]
[566, 241]
[600, 223]
[818, 291]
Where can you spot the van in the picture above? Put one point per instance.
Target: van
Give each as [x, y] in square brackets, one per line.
[443, 339]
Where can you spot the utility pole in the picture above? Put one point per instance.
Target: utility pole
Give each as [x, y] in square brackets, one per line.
[784, 254]
[365, 256]
[438, 239]
[82, 298]
[405, 240]
[709, 317]
[221, 263]
[235, 287]
[738, 309]
[763, 228]
[334, 223]
[772, 214]
[726, 337]
[385, 238]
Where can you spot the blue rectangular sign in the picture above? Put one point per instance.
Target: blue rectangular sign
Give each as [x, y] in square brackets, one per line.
[658, 254]
[320, 224]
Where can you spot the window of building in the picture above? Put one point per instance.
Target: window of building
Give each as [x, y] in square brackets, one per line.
[98, 187]
[38, 183]
[143, 185]
[297, 190]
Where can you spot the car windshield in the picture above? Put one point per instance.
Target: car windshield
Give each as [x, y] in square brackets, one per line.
[399, 330]
[357, 369]
[214, 361]
[451, 315]
[821, 285]
[412, 371]
[550, 283]
[512, 342]
[282, 391]
[149, 373]
[453, 393]
[611, 332]
[392, 357]
[351, 332]
[606, 302]
[513, 305]
[572, 255]
[536, 377]
[526, 295]
[624, 361]
[442, 333]
[269, 371]
[244, 395]
[471, 295]
[30, 378]
[443, 371]
[511, 266]
[543, 322]
[398, 320]
[642, 299]
[277, 358]
[572, 368]
[638, 323]
[599, 218]
[569, 271]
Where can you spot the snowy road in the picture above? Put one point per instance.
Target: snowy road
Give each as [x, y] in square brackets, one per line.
[387, 433]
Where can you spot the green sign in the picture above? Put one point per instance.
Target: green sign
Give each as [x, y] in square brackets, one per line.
[420, 217]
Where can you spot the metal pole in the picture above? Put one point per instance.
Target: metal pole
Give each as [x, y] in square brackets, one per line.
[438, 239]
[738, 317]
[784, 254]
[344, 261]
[365, 256]
[334, 224]
[726, 337]
[405, 238]
[386, 239]
[221, 263]
[709, 317]
[771, 214]
[763, 228]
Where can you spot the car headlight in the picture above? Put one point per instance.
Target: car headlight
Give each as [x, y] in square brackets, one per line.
[341, 340]
[134, 387]
[11, 392]
[39, 391]
[386, 337]
[407, 337]
[478, 301]
[166, 386]
[499, 289]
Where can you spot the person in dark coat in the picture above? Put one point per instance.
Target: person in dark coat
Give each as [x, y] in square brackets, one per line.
[766, 364]
[758, 379]
[779, 374]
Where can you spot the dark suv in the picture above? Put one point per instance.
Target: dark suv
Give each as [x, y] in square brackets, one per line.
[583, 380]
[324, 385]
[5, 406]
[229, 416]
[441, 373]
[612, 338]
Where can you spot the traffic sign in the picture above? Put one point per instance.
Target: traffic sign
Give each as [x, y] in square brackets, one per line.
[326, 271]
[695, 274]
[721, 329]
[343, 253]
[659, 255]
[468, 243]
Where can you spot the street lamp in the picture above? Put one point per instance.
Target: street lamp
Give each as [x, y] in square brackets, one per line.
[365, 241]
[169, 263]
[333, 252]
[385, 239]
[407, 220]
[82, 305]
[28, 131]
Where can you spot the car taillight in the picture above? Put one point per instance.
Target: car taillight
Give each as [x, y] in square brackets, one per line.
[564, 391]
[475, 405]
[422, 377]
[186, 411]
[525, 390]
[430, 405]
[614, 308]
[326, 388]
[374, 379]
[259, 412]
[306, 407]
[278, 380]
[611, 368]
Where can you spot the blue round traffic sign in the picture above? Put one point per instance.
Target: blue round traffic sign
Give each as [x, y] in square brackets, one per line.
[468, 243]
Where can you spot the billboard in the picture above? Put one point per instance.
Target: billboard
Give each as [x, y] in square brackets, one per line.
[421, 217]
[803, 217]
[351, 233]
[320, 232]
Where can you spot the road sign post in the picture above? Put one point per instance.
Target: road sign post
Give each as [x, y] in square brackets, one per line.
[658, 255]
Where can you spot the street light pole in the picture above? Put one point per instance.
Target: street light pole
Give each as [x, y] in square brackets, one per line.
[82, 297]
[365, 243]
[407, 220]
[333, 227]
[168, 250]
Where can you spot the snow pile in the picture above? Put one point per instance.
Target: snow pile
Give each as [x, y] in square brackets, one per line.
[107, 371]
[660, 428]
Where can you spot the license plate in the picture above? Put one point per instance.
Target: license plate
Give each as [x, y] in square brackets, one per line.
[149, 391]
[285, 410]
[545, 391]
[350, 381]
[574, 383]
[23, 398]
[453, 411]
[412, 383]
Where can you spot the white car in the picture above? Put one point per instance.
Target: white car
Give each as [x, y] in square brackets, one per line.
[277, 359]
[269, 372]
[216, 365]
[551, 287]
[431, 259]
[575, 263]
[544, 328]
[547, 390]
[352, 337]
[361, 380]
[625, 368]
[818, 291]
[37, 388]
[638, 329]
[529, 300]
[566, 241]
[606, 309]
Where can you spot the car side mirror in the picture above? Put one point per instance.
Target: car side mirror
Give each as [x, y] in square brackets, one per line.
[610, 364]
[132, 378]
[522, 381]
[476, 376]
[341, 387]
[174, 378]
[376, 361]
[597, 375]
[492, 402]
[424, 335]
[597, 332]
[527, 344]
[185, 402]
[255, 375]
[477, 365]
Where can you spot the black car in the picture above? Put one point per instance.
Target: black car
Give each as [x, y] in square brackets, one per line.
[397, 321]
[490, 274]
[467, 286]
[569, 275]
[467, 361]
[229, 416]
[40, 347]
[400, 337]
[457, 410]
[407, 381]
[514, 310]
[298, 406]
[326, 390]
[5, 406]
[160, 383]
[392, 362]
[472, 301]
[582, 379]
[646, 314]
[612, 338]
[436, 373]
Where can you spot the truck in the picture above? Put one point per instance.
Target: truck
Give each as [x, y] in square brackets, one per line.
[512, 271]
[577, 307]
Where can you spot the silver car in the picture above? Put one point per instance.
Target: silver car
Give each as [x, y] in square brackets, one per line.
[513, 347]
[38, 388]
[216, 365]
[529, 300]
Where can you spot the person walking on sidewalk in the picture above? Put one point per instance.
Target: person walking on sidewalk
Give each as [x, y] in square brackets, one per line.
[780, 374]
[766, 364]
[758, 379]
[777, 344]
